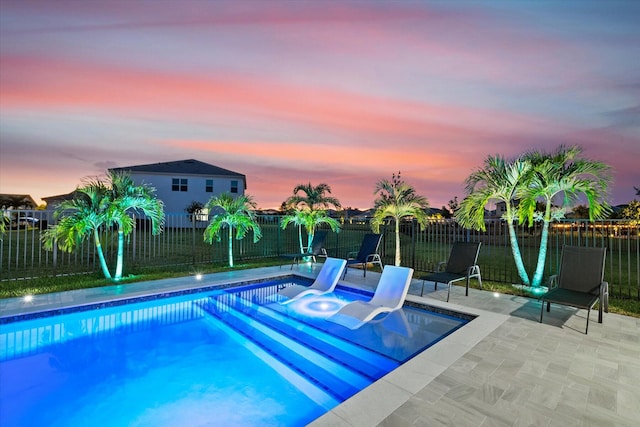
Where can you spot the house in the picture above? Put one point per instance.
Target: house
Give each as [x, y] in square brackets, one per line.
[182, 182]
[17, 201]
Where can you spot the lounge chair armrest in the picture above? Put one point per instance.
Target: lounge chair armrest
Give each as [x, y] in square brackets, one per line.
[553, 281]
[441, 266]
[352, 255]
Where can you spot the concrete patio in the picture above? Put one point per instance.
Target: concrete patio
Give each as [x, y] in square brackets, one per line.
[503, 368]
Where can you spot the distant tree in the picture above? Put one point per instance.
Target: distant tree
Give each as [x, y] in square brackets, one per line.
[194, 209]
[451, 208]
[397, 200]
[581, 212]
[637, 191]
[234, 214]
[632, 212]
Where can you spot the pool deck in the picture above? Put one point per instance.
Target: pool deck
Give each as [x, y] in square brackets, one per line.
[502, 369]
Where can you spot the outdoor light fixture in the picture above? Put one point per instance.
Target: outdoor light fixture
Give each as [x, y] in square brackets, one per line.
[199, 276]
[28, 298]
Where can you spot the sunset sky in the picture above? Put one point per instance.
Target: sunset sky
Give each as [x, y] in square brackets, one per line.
[289, 92]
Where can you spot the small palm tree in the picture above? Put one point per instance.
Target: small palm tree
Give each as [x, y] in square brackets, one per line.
[310, 220]
[562, 173]
[397, 200]
[499, 180]
[312, 207]
[298, 218]
[237, 213]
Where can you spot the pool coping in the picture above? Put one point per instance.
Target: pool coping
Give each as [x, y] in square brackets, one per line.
[370, 406]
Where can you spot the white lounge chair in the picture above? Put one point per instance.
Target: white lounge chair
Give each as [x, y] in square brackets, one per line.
[325, 283]
[389, 296]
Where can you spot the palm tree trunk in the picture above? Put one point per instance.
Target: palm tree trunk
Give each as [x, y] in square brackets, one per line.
[103, 262]
[517, 256]
[120, 259]
[230, 246]
[542, 254]
[397, 242]
[300, 238]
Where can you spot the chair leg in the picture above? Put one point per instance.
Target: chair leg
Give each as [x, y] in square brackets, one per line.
[548, 306]
[449, 292]
[422, 291]
[541, 310]
[586, 331]
[467, 290]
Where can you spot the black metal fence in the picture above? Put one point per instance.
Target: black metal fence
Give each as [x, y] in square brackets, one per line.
[181, 244]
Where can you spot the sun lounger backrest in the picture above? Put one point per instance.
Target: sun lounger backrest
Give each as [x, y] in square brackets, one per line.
[393, 287]
[318, 242]
[329, 274]
[463, 255]
[581, 269]
[369, 246]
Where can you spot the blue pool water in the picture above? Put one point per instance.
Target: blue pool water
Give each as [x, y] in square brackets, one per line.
[223, 357]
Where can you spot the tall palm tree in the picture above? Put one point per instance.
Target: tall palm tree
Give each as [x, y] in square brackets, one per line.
[315, 199]
[397, 200]
[126, 198]
[564, 173]
[499, 180]
[99, 204]
[236, 213]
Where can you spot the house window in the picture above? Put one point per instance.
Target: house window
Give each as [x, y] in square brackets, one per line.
[209, 186]
[234, 186]
[179, 184]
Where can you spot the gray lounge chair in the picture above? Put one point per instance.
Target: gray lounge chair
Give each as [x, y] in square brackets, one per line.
[579, 282]
[315, 249]
[462, 264]
[368, 253]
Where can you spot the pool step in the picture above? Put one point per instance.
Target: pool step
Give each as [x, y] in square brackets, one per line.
[317, 394]
[333, 377]
[369, 363]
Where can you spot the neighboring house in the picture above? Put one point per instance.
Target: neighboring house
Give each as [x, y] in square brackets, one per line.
[181, 182]
[17, 201]
[54, 201]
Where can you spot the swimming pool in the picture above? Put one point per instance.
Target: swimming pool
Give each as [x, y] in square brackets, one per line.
[228, 356]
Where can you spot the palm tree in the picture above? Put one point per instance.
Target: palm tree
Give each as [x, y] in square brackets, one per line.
[499, 180]
[312, 206]
[127, 197]
[99, 204]
[310, 220]
[315, 197]
[237, 213]
[562, 172]
[298, 218]
[79, 217]
[397, 200]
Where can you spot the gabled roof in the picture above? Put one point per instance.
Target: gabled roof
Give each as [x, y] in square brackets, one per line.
[181, 167]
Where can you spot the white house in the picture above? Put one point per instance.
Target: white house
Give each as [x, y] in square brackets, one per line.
[181, 182]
